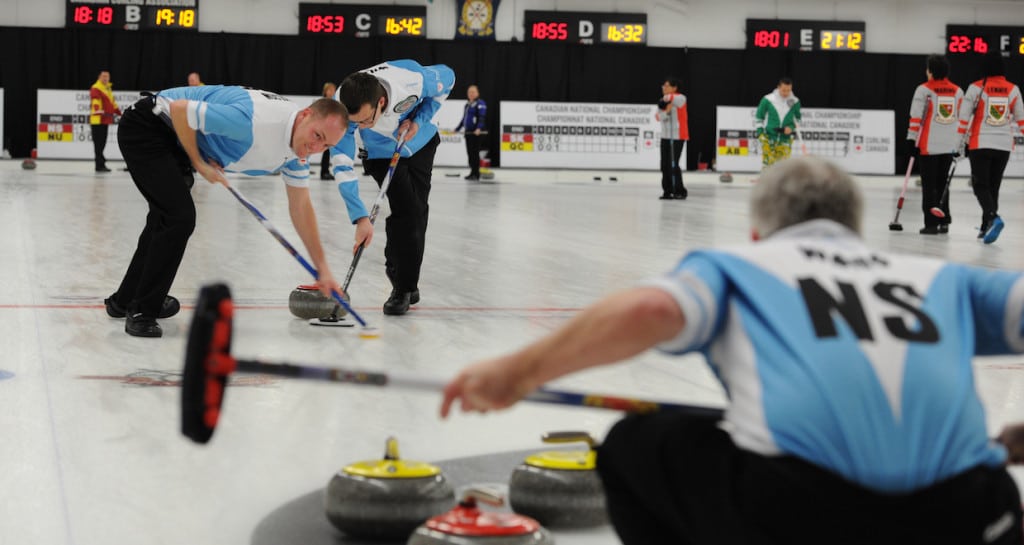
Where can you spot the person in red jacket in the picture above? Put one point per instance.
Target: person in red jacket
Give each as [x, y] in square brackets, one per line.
[674, 134]
[991, 115]
[102, 109]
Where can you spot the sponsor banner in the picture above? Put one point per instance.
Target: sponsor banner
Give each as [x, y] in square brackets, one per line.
[62, 124]
[579, 135]
[859, 141]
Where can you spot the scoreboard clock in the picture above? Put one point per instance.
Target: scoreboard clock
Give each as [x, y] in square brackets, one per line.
[142, 15]
[585, 27]
[363, 20]
[968, 39]
[805, 35]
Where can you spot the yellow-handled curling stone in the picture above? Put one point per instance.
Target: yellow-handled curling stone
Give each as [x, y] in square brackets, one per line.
[388, 498]
[467, 524]
[560, 488]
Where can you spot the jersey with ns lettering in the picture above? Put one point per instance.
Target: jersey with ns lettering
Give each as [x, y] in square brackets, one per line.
[243, 130]
[413, 92]
[856, 361]
[933, 117]
[992, 107]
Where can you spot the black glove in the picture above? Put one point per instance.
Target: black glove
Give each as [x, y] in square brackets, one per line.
[362, 154]
[780, 130]
[662, 103]
[912, 150]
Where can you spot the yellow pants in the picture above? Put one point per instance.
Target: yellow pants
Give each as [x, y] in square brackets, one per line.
[773, 152]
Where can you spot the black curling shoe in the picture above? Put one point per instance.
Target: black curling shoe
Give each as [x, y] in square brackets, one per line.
[170, 307]
[398, 303]
[138, 325]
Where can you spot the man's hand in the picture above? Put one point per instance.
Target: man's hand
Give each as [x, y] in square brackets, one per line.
[912, 150]
[488, 385]
[364, 233]
[409, 127]
[213, 172]
[327, 283]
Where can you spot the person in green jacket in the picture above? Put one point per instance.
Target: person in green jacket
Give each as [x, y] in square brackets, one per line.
[777, 116]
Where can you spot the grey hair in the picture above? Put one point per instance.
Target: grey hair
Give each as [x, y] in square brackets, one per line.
[800, 189]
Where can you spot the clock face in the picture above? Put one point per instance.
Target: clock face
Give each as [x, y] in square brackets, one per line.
[981, 40]
[805, 35]
[183, 15]
[363, 20]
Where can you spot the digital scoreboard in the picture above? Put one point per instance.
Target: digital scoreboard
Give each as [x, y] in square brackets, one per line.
[979, 40]
[363, 20]
[142, 15]
[584, 27]
[797, 35]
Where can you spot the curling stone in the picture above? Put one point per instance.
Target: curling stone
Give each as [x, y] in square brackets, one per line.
[386, 499]
[725, 178]
[466, 524]
[28, 164]
[307, 302]
[560, 488]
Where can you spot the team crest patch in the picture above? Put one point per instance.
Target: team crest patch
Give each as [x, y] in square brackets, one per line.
[997, 107]
[946, 111]
[406, 105]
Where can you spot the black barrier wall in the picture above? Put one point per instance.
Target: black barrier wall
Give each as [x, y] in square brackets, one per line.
[35, 58]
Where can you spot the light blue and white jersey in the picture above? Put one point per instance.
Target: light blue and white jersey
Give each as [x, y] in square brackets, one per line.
[853, 360]
[413, 92]
[243, 130]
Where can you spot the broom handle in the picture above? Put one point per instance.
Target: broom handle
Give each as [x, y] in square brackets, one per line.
[431, 384]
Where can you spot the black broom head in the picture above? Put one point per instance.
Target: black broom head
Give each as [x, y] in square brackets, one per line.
[208, 363]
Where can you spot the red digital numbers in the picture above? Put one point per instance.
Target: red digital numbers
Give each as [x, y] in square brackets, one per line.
[550, 31]
[771, 39]
[958, 43]
[333, 24]
[85, 15]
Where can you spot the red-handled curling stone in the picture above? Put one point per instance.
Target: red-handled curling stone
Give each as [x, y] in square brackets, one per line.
[467, 524]
[307, 302]
[388, 498]
[560, 488]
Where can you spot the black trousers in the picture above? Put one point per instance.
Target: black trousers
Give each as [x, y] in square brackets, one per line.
[671, 172]
[934, 174]
[679, 480]
[406, 226]
[162, 172]
[99, 141]
[987, 167]
[473, 153]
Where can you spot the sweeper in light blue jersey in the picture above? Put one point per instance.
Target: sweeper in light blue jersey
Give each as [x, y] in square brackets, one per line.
[211, 129]
[852, 414]
[383, 102]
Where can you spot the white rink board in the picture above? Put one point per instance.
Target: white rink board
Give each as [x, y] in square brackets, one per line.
[859, 141]
[62, 130]
[579, 135]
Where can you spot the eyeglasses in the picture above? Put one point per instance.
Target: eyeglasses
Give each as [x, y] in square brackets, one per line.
[372, 119]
